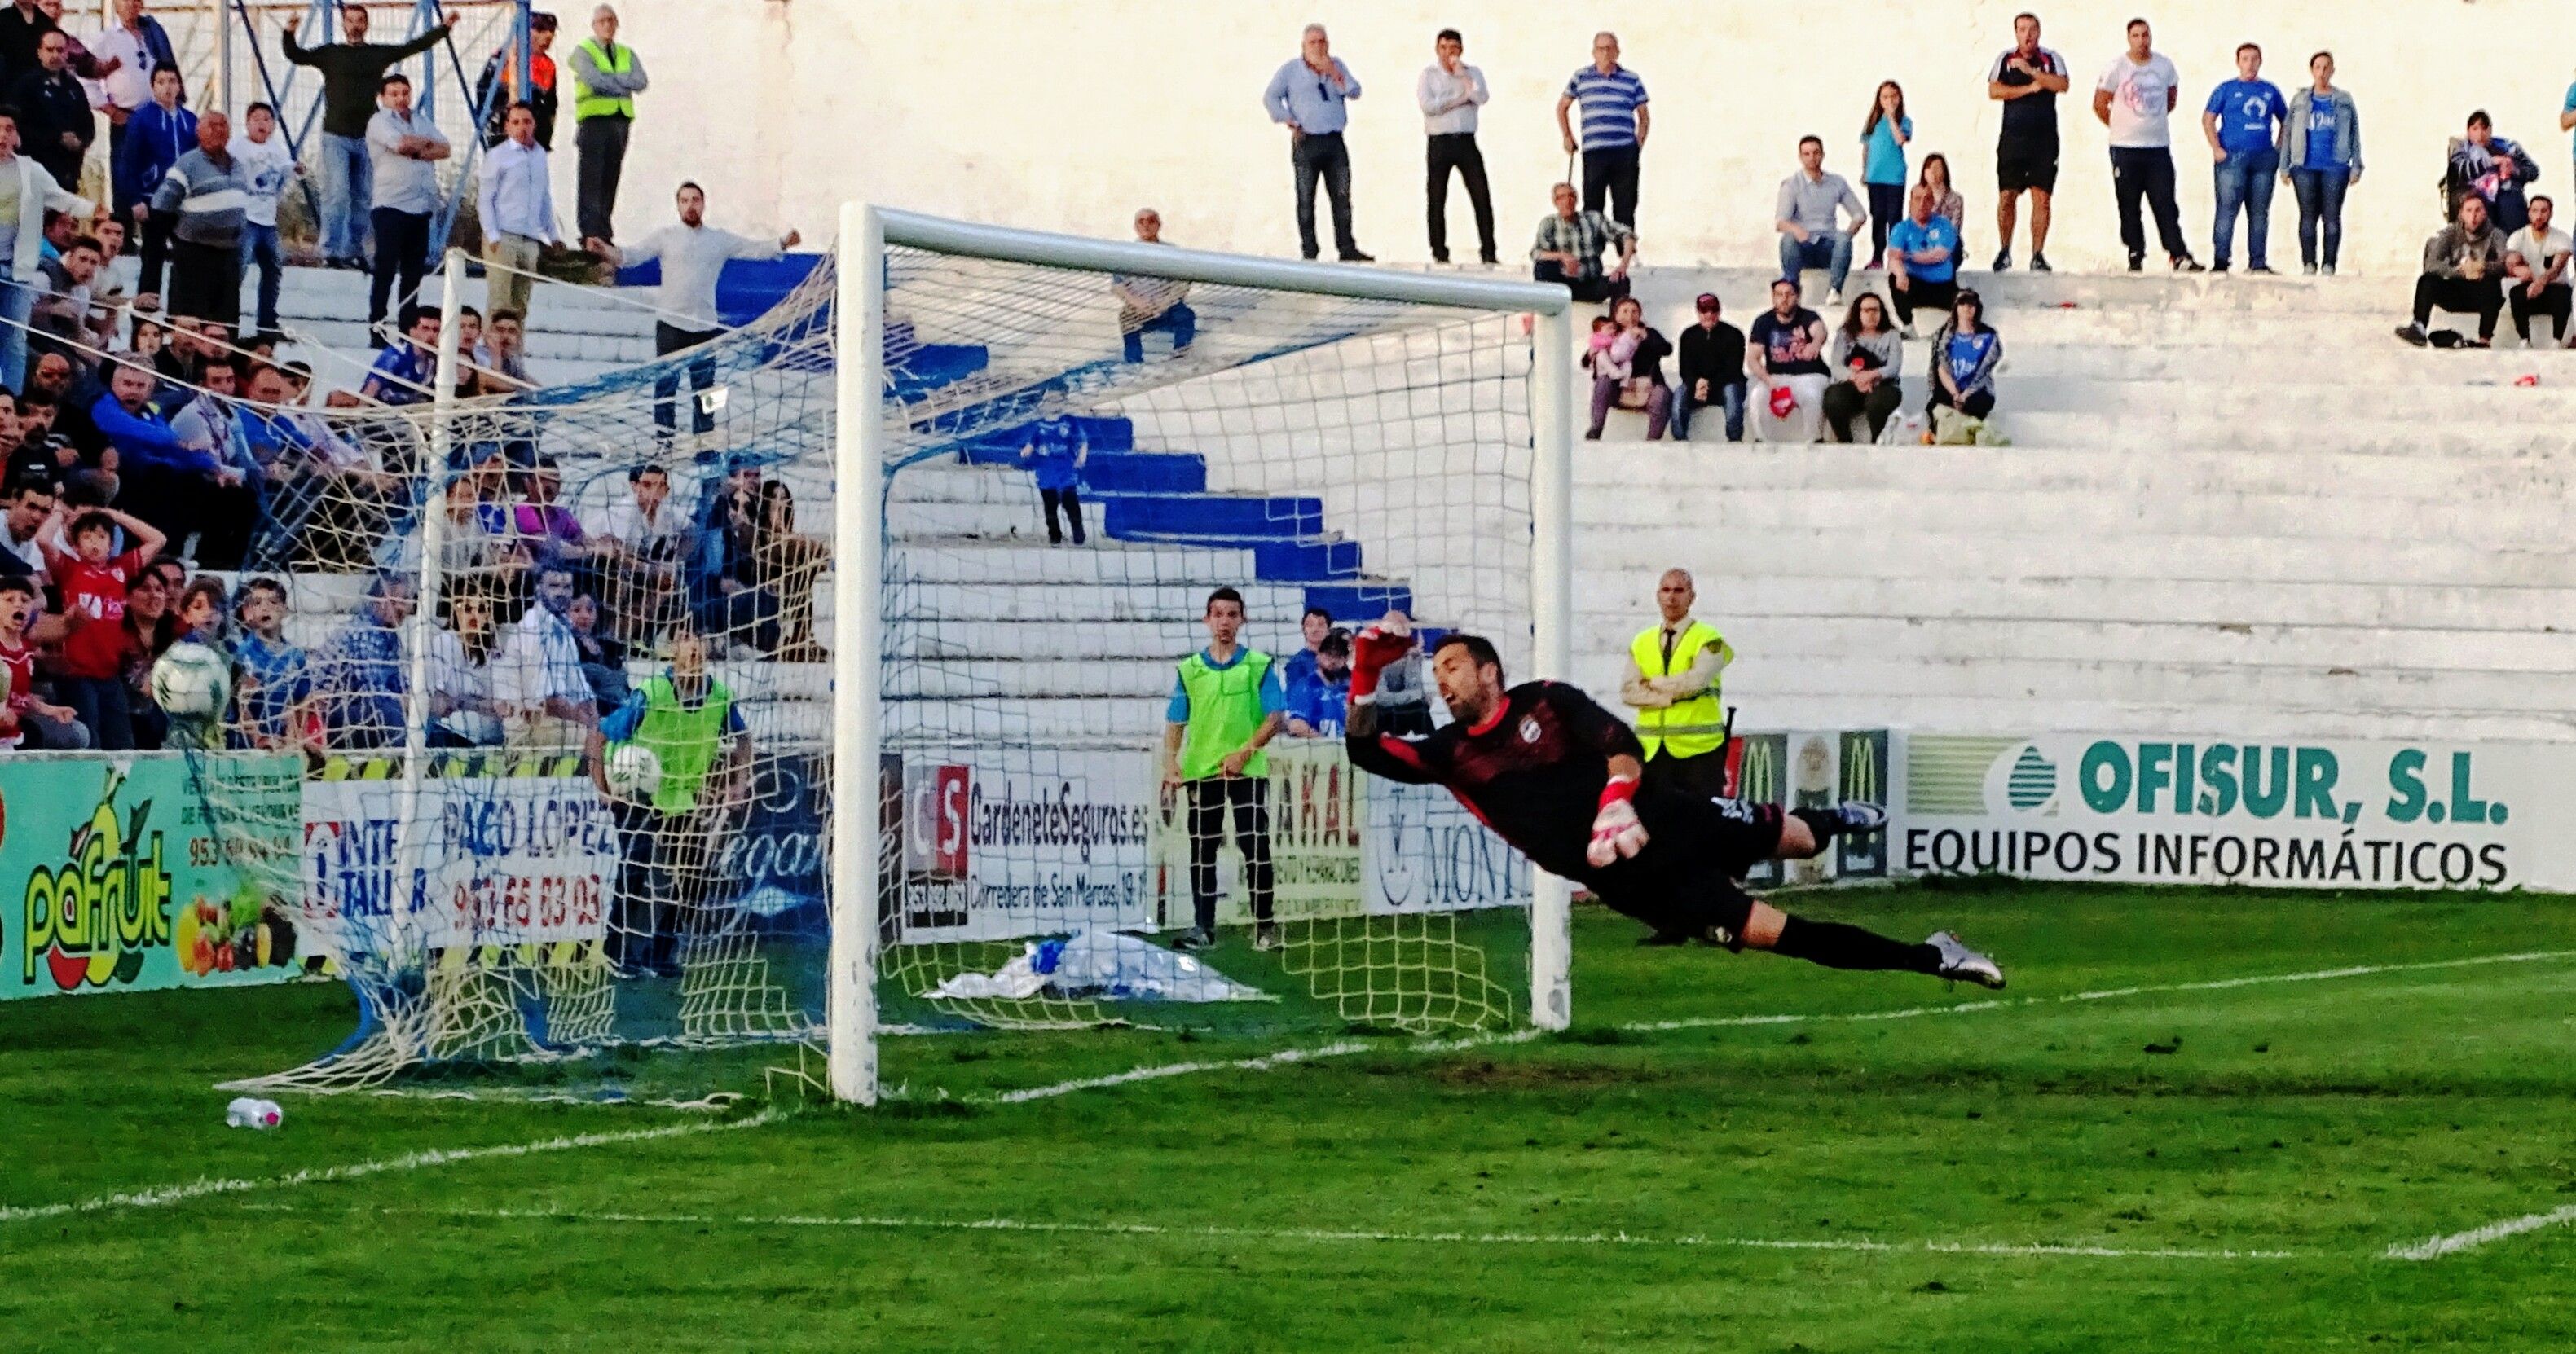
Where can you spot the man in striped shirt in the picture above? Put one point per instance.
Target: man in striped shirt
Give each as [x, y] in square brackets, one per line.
[207, 199]
[1615, 121]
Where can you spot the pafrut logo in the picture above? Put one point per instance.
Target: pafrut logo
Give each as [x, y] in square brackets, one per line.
[92, 918]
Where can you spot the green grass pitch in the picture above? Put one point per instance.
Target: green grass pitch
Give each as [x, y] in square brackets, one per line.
[2198, 1165]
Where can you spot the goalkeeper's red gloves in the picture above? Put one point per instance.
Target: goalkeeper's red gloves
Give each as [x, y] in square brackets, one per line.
[1372, 649]
[1616, 833]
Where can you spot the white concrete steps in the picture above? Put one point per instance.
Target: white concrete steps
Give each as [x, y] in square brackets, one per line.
[2461, 611]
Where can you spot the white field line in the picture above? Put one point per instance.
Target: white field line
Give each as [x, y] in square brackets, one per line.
[166, 1196]
[2103, 994]
[1350, 1235]
[2437, 1247]
[1349, 1046]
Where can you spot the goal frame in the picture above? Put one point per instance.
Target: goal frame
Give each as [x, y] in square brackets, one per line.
[866, 229]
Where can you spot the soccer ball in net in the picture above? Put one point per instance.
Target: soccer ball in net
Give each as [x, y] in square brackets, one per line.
[634, 773]
[191, 681]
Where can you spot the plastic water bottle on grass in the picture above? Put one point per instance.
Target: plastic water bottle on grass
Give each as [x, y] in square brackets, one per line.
[247, 1112]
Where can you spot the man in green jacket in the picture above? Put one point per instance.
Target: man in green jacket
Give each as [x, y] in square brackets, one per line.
[669, 828]
[352, 70]
[1227, 702]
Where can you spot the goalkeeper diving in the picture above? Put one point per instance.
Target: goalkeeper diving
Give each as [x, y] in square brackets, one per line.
[1556, 776]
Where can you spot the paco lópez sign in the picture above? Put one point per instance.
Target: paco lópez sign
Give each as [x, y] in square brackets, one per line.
[2214, 810]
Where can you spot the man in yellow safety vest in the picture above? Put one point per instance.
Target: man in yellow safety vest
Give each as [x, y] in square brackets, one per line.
[605, 80]
[1672, 681]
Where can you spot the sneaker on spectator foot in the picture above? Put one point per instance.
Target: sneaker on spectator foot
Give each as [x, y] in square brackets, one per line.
[2185, 263]
[2307, 270]
[1266, 936]
[1834, 297]
[2003, 261]
[2039, 263]
[2412, 333]
[1441, 256]
[2327, 269]
[2262, 270]
[1355, 256]
[2219, 267]
[1489, 259]
[2137, 263]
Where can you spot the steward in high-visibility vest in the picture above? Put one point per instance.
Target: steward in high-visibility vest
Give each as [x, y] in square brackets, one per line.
[1674, 672]
[606, 77]
[668, 830]
[1227, 701]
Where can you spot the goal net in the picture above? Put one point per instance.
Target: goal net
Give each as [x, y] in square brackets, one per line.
[574, 811]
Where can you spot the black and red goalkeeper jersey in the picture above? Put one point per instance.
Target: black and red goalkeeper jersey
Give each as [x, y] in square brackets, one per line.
[1533, 771]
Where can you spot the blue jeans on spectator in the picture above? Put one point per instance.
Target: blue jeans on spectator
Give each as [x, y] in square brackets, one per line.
[2320, 213]
[2245, 179]
[1830, 250]
[1181, 322]
[259, 247]
[17, 302]
[1728, 397]
[100, 702]
[348, 196]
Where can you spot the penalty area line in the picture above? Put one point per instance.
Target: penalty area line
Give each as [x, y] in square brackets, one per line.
[167, 1196]
[1352, 1235]
[2434, 1248]
[2100, 994]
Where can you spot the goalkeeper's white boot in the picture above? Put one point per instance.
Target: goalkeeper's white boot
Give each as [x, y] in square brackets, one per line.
[1961, 964]
[1859, 815]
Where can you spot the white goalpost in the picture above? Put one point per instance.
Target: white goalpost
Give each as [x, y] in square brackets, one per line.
[1307, 419]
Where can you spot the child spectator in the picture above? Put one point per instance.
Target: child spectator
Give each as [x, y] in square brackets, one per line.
[272, 686]
[26, 719]
[1056, 449]
[93, 581]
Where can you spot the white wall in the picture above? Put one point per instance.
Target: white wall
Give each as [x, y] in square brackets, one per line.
[1068, 116]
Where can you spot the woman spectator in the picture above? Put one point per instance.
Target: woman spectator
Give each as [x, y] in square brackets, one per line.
[785, 564]
[2320, 159]
[460, 674]
[603, 659]
[1644, 351]
[150, 630]
[1946, 200]
[1868, 354]
[549, 530]
[1964, 356]
[1884, 135]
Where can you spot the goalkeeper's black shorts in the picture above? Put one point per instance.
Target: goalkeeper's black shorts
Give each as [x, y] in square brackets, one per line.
[1687, 879]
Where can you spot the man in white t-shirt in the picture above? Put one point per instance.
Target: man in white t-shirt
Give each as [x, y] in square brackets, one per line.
[2135, 98]
[537, 682]
[268, 167]
[2535, 258]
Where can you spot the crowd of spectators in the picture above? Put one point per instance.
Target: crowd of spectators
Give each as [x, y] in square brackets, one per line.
[169, 478]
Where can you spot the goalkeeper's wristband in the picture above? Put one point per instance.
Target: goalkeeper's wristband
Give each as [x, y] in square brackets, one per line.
[1620, 790]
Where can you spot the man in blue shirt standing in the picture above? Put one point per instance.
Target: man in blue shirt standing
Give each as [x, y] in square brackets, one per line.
[2243, 124]
[1311, 97]
[1615, 122]
[1922, 260]
[1056, 450]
